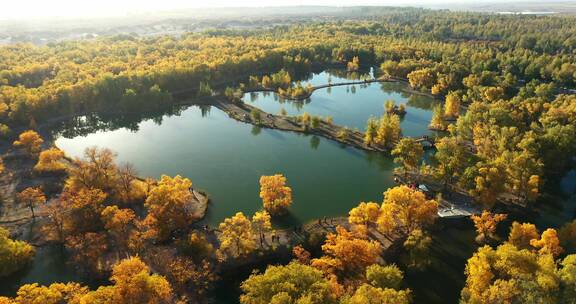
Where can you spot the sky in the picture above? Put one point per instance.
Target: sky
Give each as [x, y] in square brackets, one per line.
[18, 9]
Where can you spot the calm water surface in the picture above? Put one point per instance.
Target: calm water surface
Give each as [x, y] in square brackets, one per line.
[352, 105]
[226, 158]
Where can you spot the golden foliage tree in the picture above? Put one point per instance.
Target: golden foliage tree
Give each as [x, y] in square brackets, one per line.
[30, 141]
[371, 131]
[370, 294]
[452, 105]
[347, 254]
[302, 255]
[486, 224]
[98, 170]
[119, 223]
[236, 236]
[293, 283]
[512, 275]
[364, 214]
[489, 184]
[13, 254]
[32, 197]
[261, 223]
[50, 161]
[389, 131]
[133, 284]
[522, 234]
[275, 194]
[170, 206]
[56, 293]
[548, 243]
[405, 209]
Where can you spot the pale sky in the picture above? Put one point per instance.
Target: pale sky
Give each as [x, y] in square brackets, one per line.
[18, 9]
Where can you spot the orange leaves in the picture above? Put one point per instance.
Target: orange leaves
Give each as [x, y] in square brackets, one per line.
[275, 195]
[486, 224]
[30, 141]
[31, 197]
[347, 253]
[50, 161]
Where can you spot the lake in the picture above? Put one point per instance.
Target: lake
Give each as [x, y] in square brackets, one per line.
[226, 158]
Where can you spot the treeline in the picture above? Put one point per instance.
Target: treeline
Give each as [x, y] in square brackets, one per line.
[128, 73]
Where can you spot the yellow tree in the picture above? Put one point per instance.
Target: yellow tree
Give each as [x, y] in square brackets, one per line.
[423, 78]
[408, 153]
[56, 293]
[510, 275]
[486, 224]
[365, 214]
[493, 94]
[133, 284]
[119, 222]
[374, 295]
[523, 172]
[522, 234]
[32, 197]
[452, 105]
[548, 243]
[261, 223]
[236, 236]
[275, 194]
[389, 131]
[371, 131]
[30, 141]
[489, 183]
[347, 254]
[50, 161]
[14, 255]
[405, 209]
[437, 122]
[81, 210]
[170, 206]
[293, 283]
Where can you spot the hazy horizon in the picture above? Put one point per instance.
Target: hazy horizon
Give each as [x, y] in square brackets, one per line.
[27, 9]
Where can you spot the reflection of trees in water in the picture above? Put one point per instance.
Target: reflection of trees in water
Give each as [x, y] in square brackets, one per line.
[256, 130]
[363, 73]
[384, 163]
[314, 142]
[205, 110]
[422, 102]
[87, 124]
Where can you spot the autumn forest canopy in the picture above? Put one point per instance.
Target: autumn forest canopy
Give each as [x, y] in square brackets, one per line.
[504, 135]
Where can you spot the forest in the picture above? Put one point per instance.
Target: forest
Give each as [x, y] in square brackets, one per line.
[506, 121]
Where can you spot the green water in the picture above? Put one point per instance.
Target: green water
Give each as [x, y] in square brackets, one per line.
[226, 158]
